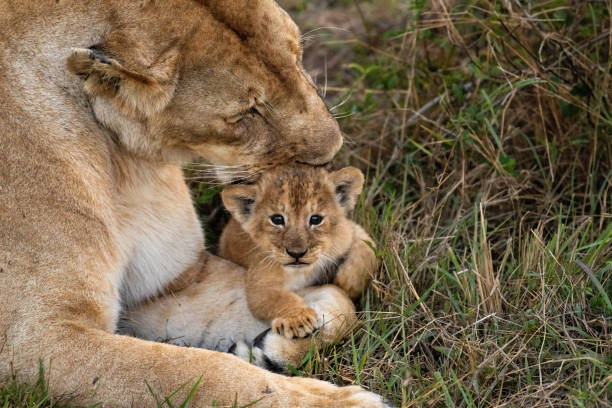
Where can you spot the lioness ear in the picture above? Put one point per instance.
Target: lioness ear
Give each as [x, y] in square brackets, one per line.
[348, 183]
[239, 201]
[135, 94]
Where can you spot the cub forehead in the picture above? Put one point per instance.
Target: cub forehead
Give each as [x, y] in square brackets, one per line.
[297, 187]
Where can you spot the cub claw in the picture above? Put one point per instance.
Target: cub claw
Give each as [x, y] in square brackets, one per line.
[295, 323]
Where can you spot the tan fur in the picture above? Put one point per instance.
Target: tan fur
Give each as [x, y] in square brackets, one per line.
[94, 213]
[251, 239]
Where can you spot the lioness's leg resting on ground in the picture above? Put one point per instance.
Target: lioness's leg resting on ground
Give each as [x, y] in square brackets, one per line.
[213, 314]
[102, 103]
[83, 358]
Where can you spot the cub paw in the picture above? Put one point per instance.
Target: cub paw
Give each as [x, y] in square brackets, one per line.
[298, 322]
[352, 282]
[355, 273]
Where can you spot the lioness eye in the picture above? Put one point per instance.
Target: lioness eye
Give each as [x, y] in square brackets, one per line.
[252, 112]
[316, 219]
[277, 219]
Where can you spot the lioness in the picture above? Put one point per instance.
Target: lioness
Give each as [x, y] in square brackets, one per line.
[102, 102]
[290, 230]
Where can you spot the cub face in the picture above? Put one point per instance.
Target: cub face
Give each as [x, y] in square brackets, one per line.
[219, 79]
[298, 215]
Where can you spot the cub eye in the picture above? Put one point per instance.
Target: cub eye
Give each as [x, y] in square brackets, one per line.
[277, 219]
[316, 219]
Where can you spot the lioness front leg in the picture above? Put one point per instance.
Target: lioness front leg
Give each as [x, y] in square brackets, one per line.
[83, 359]
[117, 371]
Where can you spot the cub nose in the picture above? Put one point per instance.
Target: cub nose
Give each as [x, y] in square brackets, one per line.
[296, 254]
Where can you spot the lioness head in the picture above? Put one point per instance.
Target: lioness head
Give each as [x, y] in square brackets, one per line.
[221, 79]
[298, 214]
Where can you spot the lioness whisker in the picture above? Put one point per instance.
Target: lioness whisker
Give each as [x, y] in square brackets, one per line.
[342, 116]
[323, 28]
[268, 107]
[209, 165]
[341, 103]
[325, 83]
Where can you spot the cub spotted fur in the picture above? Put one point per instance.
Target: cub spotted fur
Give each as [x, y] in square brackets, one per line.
[290, 230]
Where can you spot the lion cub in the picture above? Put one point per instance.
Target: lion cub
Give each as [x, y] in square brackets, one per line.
[292, 230]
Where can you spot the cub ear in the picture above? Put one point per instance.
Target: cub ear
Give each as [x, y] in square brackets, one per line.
[239, 200]
[135, 94]
[348, 183]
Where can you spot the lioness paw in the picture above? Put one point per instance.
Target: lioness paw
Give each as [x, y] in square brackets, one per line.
[297, 322]
[328, 395]
[357, 397]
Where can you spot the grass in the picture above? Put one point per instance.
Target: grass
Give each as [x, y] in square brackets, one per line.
[485, 131]
[14, 394]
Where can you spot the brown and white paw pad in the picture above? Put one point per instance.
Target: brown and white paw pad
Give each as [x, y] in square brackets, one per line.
[295, 323]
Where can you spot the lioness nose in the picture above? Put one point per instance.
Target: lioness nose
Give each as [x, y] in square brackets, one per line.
[322, 142]
[296, 254]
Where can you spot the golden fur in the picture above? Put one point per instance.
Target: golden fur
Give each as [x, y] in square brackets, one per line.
[295, 194]
[102, 102]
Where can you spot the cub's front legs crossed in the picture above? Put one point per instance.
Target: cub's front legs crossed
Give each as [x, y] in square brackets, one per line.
[286, 311]
[213, 313]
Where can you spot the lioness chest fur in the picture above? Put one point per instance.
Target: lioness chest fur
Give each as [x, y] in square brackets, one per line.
[292, 230]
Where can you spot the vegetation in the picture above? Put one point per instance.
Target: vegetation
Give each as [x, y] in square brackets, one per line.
[485, 131]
